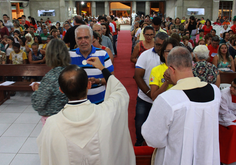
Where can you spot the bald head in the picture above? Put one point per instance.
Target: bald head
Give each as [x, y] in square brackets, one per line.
[73, 81]
[180, 58]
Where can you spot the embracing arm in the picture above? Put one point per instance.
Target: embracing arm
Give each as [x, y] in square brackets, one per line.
[134, 55]
[138, 76]
[41, 97]
[110, 54]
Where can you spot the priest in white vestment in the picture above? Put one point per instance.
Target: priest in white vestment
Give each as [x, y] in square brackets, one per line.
[183, 121]
[84, 133]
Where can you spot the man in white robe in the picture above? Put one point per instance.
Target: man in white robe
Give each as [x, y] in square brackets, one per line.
[84, 133]
[227, 128]
[228, 105]
[183, 121]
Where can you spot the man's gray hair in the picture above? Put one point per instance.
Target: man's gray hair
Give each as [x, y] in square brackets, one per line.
[96, 24]
[202, 52]
[161, 35]
[83, 27]
[179, 57]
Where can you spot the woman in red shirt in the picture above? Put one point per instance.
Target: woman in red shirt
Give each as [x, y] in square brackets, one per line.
[3, 30]
[33, 23]
[207, 27]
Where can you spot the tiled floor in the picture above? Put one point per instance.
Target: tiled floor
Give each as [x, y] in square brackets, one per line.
[19, 127]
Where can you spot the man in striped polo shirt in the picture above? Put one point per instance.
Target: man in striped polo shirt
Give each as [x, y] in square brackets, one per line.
[79, 56]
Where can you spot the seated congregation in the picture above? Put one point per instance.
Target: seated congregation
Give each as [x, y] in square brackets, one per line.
[181, 113]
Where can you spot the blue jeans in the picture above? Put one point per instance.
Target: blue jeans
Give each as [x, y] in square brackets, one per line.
[142, 111]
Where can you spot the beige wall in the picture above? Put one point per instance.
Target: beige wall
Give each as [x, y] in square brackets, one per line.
[5, 8]
[179, 8]
[57, 5]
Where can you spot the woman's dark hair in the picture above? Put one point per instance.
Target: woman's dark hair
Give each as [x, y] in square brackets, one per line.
[185, 38]
[141, 23]
[207, 36]
[234, 81]
[39, 39]
[224, 34]
[176, 36]
[96, 35]
[32, 21]
[59, 24]
[11, 38]
[167, 41]
[148, 28]
[208, 21]
[23, 39]
[227, 54]
[176, 19]
[2, 23]
[193, 18]
[107, 27]
[17, 31]
[201, 30]
[16, 45]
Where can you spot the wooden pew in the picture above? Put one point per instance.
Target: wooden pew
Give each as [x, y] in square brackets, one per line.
[227, 77]
[19, 70]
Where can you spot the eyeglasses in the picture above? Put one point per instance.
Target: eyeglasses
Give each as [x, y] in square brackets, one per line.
[158, 45]
[171, 67]
[149, 35]
[167, 51]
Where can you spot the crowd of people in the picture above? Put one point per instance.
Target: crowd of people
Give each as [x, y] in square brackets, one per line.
[176, 64]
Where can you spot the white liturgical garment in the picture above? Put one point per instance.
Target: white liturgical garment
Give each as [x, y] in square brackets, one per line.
[183, 131]
[227, 108]
[89, 134]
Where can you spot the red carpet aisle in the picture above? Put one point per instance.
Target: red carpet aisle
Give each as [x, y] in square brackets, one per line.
[124, 71]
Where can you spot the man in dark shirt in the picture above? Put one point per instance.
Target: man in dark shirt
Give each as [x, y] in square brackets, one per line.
[70, 34]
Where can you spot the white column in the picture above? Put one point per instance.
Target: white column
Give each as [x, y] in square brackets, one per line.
[233, 10]
[94, 12]
[147, 8]
[5, 8]
[215, 10]
[63, 11]
[179, 9]
[106, 5]
[170, 9]
[134, 7]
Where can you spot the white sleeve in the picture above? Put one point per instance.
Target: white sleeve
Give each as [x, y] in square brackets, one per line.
[141, 62]
[155, 129]
[138, 32]
[226, 117]
[113, 27]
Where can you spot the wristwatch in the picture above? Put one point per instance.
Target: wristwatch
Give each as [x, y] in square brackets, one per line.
[100, 81]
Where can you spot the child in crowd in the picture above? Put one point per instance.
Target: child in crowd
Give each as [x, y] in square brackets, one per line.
[200, 35]
[9, 47]
[208, 38]
[16, 36]
[22, 44]
[35, 56]
[17, 56]
[29, 42]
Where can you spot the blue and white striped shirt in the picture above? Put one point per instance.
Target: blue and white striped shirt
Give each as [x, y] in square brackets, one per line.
[97, 92]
